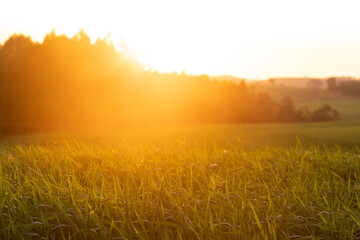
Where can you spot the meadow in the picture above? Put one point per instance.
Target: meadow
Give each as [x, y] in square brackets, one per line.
[344, 134]
[134, 132]
[208, 181]
[77, 190]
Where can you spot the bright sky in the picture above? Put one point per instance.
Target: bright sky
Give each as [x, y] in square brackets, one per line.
[251, 39]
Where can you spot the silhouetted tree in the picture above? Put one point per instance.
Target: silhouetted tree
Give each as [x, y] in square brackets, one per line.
[346, 86]
[331, 83]
[325, 113]
[70, 84]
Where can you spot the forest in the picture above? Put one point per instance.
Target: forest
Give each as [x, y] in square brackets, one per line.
[69, 83]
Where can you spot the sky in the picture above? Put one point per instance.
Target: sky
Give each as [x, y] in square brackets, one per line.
[254, 39]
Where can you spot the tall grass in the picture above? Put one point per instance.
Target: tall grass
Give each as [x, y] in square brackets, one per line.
[82, 191]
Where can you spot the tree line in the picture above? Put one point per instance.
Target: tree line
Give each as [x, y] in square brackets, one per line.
[70, 83]
[345, 86]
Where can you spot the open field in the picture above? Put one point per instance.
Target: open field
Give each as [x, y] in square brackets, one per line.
[183, 120]
[210, 181]
[83, 191]
[248, 136]
[348, 106]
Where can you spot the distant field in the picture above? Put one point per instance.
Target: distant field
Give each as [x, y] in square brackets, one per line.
[348, 106]
[249, 136]
[345, 133]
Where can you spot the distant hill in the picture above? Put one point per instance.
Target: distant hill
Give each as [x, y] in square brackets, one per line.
[300, 82]
[292, 82]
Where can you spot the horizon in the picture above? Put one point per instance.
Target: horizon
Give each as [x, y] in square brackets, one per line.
[123, 48]
[128, 52]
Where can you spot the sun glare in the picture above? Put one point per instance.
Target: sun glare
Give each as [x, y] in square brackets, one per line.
[251, 39]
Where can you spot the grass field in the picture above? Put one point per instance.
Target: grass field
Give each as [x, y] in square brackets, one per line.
[82, 191]
[249, 136]
[235, 181]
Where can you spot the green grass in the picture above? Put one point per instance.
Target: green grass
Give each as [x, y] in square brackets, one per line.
[178, 191]
[248, 136]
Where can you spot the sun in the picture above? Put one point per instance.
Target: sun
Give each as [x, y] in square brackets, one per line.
[249, 39]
